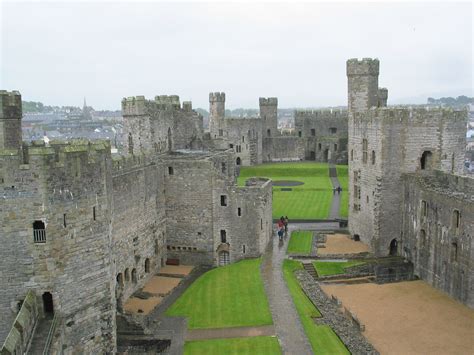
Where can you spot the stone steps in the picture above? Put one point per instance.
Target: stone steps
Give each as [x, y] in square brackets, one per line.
[309, 268]
[41, 334]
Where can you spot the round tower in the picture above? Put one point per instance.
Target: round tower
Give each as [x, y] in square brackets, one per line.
[363, 84]
[216, 113]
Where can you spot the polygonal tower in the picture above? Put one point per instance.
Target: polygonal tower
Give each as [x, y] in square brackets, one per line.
[363, 84]
[10, 120]
[216, 113]
[269, 115]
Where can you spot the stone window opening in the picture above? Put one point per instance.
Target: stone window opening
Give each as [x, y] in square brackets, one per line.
[157, 247]
[261, 224]
[243, 248]
[238, 161]
[93, 213]
[134, 276]
[231, 146]
[223, 236]
[333, 130]
[147, 265]
[299, 134]
[393, 247]
[130, 143]
[313, 132]
[243, 139]
[422, 238]
[373, 157]
[64, 221]
[170, 170]
[119, 280]
[454, 251]
[127, 274]
[356, 238]
[364, 151]
[223, 168]
[239, 211]
[223, 200]
[39, 232]
[269, 133]
[452, 163]
[320, 146]
[426, 160]
[456, 219]
[335, 147]
[352, 154]
[424, 208]
[48, 305]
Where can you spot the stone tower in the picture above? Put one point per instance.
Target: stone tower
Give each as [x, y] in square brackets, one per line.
[363, 84]
[216, 113]
[269, 115]
[10, 120]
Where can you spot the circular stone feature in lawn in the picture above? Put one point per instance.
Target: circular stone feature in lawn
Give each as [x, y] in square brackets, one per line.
[287, 183]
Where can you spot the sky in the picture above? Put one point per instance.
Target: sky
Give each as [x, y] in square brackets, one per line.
[59, 53]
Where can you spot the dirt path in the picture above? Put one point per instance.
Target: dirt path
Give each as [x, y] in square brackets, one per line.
[236, 332]
[409, 317]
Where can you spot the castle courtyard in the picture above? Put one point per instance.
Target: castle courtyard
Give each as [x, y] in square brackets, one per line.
[409, 317]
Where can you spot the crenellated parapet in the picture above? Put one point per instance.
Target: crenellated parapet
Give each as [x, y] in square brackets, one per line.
[322, 113]
[217, 97]
[365, 66]
[10, 105]
[268, 101]
[165, 102]
[134, 106]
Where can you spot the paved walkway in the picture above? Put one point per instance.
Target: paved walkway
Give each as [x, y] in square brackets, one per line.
[336, 198]
[288, 327]
[235, 332]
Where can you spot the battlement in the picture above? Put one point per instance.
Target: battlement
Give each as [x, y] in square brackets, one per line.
[124, 163]
[270, 101]
[168, 102]
[217, 97]
[134, 106]
[365, 66]
[322, 113]
[10, 105]
[410, 115]
[187, 106]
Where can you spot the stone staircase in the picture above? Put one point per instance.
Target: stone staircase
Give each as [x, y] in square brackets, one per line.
[309, 268]
[40, 336]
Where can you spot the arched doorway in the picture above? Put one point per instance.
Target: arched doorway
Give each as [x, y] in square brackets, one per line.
[238, 161]
[326, 155]
[426, 160]
[48, 306]
[312, 155]
[224, 258]
[393, 247]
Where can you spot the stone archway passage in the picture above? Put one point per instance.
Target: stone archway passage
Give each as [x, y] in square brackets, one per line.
[393, 247]
[48, 306]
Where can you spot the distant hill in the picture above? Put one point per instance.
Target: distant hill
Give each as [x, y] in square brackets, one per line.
[451, 101]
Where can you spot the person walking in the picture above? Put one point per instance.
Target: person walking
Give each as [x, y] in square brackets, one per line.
[285, 223]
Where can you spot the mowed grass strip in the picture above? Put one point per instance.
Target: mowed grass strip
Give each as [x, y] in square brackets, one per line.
[234, 346]
[343, 177]
[301, 242]
[228, 296]
[322, 338]
[326, 268]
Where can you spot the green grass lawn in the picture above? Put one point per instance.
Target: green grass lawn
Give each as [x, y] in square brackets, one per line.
[234, 346]
[312, 200]
[229, 296]
[342, 175]
[334, 268]
[322, 338]
[300, 242]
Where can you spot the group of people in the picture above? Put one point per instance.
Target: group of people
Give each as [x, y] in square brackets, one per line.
[282, 226]
[336, 189]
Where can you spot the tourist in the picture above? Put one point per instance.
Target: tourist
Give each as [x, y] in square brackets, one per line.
[285, 222]
[280, 234]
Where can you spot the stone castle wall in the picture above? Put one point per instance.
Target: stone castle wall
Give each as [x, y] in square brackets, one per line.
[437, 231]
[60, 186]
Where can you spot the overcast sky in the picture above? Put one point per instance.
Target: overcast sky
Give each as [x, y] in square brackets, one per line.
[58, 53]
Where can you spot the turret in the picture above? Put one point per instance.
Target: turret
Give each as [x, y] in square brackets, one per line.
[10, 120]
[269, 115]
[363, 84]
[216, 112]
[382, 97]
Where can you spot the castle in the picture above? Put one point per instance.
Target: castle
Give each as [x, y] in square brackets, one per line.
[406, 195]
[82, 230]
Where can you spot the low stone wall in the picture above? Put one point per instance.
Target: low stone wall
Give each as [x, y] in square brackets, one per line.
[345, 324]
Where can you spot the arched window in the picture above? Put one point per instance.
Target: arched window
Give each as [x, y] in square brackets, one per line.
[39, 232]
[238, 161]
[130, 143]
[393, 247]
[373, 157]
[454, 251]
[127, 274]
[223, 236]
[147, 265]
[134, 276]
[120, 280]
[456, 219]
